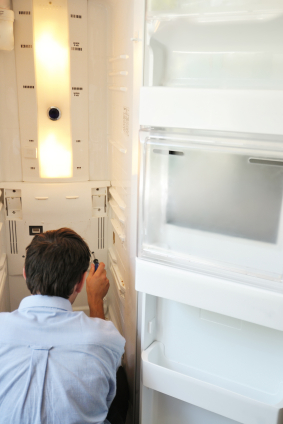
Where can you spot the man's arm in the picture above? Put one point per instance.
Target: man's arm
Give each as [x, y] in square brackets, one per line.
[97, 286]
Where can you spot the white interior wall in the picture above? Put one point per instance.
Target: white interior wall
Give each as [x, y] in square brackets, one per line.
[10, 150]
[98, 46]
[122, 107]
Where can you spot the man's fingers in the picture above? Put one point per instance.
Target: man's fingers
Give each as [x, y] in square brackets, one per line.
[91, 271]
[100, 268]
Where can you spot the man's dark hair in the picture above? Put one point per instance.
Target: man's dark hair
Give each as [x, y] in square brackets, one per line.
[55, 262]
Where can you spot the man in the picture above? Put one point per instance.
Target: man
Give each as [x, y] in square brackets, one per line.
[58, 366]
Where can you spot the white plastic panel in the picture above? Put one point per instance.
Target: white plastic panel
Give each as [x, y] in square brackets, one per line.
[27, 89]
[212, 203]
[26, 81]
[6, 29]
[220, 295]
[51, 207]
[98, 45]
[78, 24]
[254, 111]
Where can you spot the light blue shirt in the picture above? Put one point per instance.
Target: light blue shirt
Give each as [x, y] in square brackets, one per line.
[56, 366]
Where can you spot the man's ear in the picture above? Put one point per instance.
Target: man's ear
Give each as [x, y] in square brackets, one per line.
[24, 273]
[81, 283]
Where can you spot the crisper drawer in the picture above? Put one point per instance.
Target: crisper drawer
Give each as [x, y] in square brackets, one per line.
[213, 204]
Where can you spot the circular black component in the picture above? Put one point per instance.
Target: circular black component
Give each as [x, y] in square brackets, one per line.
[54, 113]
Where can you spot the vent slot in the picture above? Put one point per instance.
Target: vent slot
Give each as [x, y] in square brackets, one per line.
[101, 232]
[13, 237]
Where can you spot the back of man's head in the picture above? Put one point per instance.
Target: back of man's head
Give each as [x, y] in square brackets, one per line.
[55, 262]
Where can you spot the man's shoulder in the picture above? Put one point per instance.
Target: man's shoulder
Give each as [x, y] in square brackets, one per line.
[99, 332]
[72, 328]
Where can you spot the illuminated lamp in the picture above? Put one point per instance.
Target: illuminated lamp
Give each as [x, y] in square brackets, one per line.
[52, 76]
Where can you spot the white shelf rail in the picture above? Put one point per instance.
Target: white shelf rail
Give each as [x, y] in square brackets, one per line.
[113, 88]
[121, 56]
[117, 198]
[112, 74]
[117, 227]
[117, 211]
[117, 277]
[118, 146]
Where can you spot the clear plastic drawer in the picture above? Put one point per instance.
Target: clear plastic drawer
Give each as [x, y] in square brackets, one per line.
[212, 203]
[214, 44]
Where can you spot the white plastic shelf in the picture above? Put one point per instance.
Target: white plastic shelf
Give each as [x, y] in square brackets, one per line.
[114, 88]
[118, 146]
[119, 281]
[223, 397]
[120, 215]
[117, 198]
[120, 57]
[223, 296]
[117, 227]
[251, 111]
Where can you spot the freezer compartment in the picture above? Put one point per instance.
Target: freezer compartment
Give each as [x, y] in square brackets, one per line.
[212, 361]
[212, 203]
[214, 44]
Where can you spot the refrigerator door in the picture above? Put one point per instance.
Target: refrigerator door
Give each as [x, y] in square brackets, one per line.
[210, 212]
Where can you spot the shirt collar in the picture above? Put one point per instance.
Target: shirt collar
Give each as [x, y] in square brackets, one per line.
[36, 300]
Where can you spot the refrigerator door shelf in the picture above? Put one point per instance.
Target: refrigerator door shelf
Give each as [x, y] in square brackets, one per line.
[224, 397]
[209, 50]
[213, 11]
[247, 111]
[220, 295]
[212, 204]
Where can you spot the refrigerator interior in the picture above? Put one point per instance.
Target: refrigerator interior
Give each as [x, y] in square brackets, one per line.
[104, 114]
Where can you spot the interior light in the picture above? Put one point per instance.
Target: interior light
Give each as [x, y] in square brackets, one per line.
[56, 155]
[51, 54]
[52, 74]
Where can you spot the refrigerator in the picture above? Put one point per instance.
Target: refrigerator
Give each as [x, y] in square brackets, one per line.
[154, 129]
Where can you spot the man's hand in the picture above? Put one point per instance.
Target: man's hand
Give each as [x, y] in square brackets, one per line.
[97, 286]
